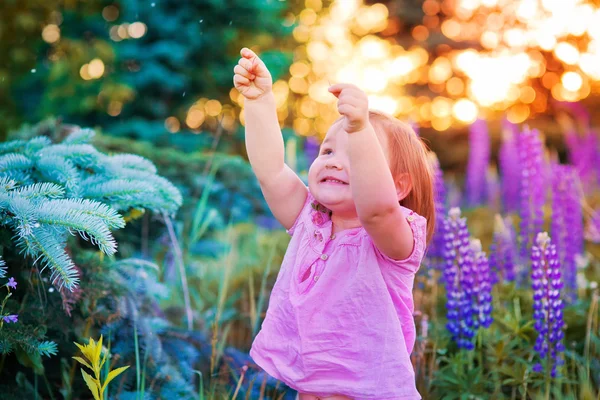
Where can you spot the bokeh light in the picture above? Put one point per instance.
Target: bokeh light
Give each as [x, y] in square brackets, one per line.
[530, 53]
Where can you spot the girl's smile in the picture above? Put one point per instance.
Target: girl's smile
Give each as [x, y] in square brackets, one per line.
[331, 180]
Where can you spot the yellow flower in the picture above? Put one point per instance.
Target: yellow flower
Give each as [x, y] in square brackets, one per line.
[92, 352]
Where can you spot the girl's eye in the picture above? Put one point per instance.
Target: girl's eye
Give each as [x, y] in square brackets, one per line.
[326, 151]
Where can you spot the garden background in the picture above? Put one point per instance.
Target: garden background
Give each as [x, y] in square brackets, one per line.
[130, 213]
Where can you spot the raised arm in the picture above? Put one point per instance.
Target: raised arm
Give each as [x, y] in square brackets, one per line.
[284, 191]
[373, 188]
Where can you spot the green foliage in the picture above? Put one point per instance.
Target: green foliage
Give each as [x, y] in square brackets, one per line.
[187, 52]
[139, 333]
[235, 194]
[51, 195]
[48, 191]
[28, 344]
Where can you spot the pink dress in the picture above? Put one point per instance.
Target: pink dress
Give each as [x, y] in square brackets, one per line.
[348, 327]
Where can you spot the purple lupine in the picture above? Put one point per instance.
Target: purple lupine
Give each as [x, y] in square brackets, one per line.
[467, 282]
[532, 189]
[311, 149]
[436, 247]
[477, 165]
[508, 159]
[14, 318]
[584, 154]
[583, 150]
[567, 223]
[547, 304]
[503, 251]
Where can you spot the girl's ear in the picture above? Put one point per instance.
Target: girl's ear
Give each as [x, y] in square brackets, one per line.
[403, 186]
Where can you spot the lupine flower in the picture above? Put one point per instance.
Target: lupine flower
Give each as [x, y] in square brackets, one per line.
[494, 189]
[482, 289]
[532, 190]
[477, 165]
[503, 251]
[311, 149]
[567, 223]
[436, 247]
[584, 155]
[547, 304]
[467, 281]
[11, 318]
[510, 171]
[12, 283]
[583, 149]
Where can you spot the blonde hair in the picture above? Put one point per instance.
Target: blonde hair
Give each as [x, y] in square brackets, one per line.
[408, 155]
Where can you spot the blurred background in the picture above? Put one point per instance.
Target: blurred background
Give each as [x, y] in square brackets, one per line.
[154, 78]
[161, 71]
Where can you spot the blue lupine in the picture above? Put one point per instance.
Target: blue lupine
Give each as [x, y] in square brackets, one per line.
[567, 223]
[503, 251]
[477, 165]
[467, 282]
[510, 172]
[482, 290]
[547, 304]
[532, 190]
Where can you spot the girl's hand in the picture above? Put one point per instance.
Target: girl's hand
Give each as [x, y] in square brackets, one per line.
[252, 78]
[353, 104]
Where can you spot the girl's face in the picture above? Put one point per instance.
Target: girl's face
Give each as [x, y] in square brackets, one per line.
[329, 175]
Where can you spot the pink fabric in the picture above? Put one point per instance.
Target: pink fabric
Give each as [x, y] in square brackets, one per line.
[348, 329]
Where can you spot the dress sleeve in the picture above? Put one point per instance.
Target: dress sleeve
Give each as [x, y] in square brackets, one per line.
[302, 215]
[418, 225]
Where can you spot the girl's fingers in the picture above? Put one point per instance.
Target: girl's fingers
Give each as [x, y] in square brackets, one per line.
[253, 63]
[246, 64]
[339, 87]
[238, 69]
[247, 53]
[355, 101]
[240, 80]
[346, 109]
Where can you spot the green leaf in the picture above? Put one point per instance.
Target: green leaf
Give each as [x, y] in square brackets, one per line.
[54, 213]
[80, 136]
[112, 375]
[91, 383]
[59, 170]
[40, 190]
[30, 360]
[104, 359]
[93, 208]
[14, 161]
[44, 243]
[47, 348]
[132, 161]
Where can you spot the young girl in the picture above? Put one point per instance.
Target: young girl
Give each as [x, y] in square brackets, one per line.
[339, 323]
